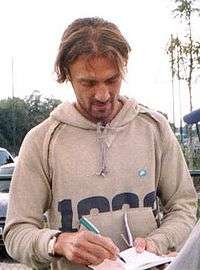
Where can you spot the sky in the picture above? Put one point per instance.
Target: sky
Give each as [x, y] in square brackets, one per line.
[30, 35]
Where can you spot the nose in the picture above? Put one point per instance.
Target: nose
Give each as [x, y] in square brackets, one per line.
[102, 93]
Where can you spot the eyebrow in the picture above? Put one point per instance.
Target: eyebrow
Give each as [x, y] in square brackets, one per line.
[113, 77]
[92, 79]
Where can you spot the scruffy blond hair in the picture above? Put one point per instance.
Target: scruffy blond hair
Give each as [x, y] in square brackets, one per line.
[91, 37]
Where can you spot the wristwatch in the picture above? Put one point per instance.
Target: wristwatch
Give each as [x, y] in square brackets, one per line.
[50, 247]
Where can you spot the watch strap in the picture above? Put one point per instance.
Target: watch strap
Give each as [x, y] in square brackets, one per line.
[51, 244]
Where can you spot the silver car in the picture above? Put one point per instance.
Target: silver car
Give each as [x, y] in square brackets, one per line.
[6, 172]
[5, 157]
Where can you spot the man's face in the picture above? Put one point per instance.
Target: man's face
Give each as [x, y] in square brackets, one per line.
[96, 82]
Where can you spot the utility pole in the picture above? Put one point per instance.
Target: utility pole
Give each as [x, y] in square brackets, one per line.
[13, 107]
[12, 67]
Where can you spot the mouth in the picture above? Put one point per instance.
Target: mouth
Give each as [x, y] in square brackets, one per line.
[101, 106]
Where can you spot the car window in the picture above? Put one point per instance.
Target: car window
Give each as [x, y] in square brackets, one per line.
[7, 169]
[4, 185]
[5, 158]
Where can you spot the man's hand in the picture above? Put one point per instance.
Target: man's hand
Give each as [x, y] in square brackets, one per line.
[85, 248]
[142, 244]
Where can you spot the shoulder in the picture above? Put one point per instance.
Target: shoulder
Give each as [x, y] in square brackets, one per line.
[152, 115]
[41, 133]
[157, 122]
[153, 118]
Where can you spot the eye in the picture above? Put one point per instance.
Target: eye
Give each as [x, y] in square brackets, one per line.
[112, 80]
[88, 83]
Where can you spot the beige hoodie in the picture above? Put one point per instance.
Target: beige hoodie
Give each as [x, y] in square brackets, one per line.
[70, 167]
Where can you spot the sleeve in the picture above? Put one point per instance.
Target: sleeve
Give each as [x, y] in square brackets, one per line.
[177, 194]
[25, 237]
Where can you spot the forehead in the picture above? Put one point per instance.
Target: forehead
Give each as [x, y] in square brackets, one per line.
[94, 67]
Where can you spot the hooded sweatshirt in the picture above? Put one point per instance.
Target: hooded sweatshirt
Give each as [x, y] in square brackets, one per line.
[70, 167]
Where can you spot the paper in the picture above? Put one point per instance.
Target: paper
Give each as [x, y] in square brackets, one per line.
[134, 261]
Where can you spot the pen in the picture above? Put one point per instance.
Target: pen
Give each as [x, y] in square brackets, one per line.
[91, 227]
[130, 241]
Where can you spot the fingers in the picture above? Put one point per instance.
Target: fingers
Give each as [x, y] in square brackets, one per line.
[99, 250]
[84, 257]
[104, 242]
[151, 247]
[85, 247]
[142, 244]
[171, 254]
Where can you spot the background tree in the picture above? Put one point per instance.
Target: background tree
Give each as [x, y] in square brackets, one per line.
[39, 107]
[171, 51]
[189, 48]
[184, 56]
[13, 119]
[18, 116]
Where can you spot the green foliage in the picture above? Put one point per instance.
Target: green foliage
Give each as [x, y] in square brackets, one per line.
[185, 8]
[198, 209]
[184, 58]
[195, 156]
[39, 108]
[18, 116]
[13, 118]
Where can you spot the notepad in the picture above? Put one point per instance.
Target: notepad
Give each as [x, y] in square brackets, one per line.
[134, 261]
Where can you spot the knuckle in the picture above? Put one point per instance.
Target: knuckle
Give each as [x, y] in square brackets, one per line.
[74, 254]
[107, 255]
[109, 241]
[98, 260]
[83, 234]
[77, 244]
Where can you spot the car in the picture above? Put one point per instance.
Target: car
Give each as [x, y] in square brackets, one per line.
[5, 157]
[7, 169]
[6, 172]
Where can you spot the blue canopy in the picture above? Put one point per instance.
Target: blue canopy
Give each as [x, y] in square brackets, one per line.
[193, 117]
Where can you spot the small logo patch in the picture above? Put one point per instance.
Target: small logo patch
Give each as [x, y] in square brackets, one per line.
[142, 173]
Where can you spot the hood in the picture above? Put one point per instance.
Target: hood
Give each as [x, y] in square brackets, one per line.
[66, 113]
[3, 203]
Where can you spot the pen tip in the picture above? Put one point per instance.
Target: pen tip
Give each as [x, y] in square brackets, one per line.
[122, 259]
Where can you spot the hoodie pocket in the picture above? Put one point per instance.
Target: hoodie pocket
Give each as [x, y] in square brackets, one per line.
[141, 222]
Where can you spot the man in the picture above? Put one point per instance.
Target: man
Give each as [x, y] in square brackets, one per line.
[102, 156]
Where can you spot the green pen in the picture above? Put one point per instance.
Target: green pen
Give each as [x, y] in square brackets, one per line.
[92, 228]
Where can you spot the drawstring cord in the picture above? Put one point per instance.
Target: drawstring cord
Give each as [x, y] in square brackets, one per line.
[102, 137]
[101, 134]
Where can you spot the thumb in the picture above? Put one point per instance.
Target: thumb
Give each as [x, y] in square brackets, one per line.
[140, 244]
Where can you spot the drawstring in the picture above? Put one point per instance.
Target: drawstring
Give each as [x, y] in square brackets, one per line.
[105, 142]
[101, 134]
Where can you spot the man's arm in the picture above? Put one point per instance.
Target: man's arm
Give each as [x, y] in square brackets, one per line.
[25, 237]
[178, 197]
[30, 196]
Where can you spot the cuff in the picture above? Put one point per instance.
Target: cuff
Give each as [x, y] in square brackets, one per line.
[41, 246]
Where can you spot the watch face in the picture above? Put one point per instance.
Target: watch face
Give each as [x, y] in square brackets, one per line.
[51, 246]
